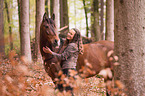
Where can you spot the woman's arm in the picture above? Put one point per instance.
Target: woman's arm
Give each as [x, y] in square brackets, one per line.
[47, 50]
[70, 50]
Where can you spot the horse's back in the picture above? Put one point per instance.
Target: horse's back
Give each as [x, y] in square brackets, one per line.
[108, 44]
[95, 55]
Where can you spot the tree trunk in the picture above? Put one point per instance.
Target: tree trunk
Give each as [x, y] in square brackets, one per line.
[39, 15]
[24, 30]
[19, 4]
[102, 20]
[46, 7]
[95, 28]
[9, 23]
[54, 9]
[2, 45]
[64, 19]
[86, 17]
[130, 45]
[110, 20]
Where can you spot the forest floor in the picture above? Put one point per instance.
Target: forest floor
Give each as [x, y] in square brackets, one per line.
[23, 79]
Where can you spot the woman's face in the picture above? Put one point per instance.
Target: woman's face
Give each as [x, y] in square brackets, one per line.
[70, 34]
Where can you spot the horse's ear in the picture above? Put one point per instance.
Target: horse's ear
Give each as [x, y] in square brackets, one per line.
[53, 16]
[45, 16]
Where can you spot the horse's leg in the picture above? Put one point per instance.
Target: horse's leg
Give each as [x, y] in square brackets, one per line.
[48, 71]
[54, 69]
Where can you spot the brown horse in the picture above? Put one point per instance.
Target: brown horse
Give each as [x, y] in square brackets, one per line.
[49, 38]
[94, 58]
[89, 64]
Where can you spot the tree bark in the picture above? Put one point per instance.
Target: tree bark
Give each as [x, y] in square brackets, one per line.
[109, 20]
[130, 45]
[39, 15]
[64, 19]
[102, 20]
[2, 45]
[54, 9]
[95, 28]
[24, 30]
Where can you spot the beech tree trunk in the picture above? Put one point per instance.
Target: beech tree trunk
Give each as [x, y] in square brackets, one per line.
[64, 19]
[40, 9]
[95, 28]
[109, 20]
[130, 45]
[24, 30]
[102, 21]
[54, 9]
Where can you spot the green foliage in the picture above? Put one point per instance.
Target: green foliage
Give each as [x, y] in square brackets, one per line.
[76, 15]
[14, 23]
[13, 15]
[88, 5]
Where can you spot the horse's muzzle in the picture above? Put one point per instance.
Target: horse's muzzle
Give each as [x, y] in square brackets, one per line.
[56, 43]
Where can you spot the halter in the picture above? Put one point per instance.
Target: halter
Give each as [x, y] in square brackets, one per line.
[49, 58]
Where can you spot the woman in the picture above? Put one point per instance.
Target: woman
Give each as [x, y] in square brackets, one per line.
[69, 51]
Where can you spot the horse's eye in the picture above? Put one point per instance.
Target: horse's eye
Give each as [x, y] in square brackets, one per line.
[46, 26]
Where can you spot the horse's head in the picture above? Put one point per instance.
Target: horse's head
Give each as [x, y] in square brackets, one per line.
[48, 30]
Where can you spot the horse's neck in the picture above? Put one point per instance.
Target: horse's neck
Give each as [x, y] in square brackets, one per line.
[49, 45]
[45, 43]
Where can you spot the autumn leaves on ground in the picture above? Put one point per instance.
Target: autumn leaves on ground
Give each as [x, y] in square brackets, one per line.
[19, 78]
[25, 79]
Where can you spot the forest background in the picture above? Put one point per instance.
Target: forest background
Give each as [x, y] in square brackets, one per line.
[94, 18]
[79, 12]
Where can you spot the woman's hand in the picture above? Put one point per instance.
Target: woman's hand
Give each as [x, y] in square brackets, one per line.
[47, 50]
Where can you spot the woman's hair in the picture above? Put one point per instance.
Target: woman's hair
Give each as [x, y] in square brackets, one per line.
[78, 40]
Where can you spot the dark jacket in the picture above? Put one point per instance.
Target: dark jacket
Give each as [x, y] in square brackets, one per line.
[69, 56]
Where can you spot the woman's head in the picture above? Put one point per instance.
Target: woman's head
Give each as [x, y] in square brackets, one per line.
[70, 35]
[74, 36]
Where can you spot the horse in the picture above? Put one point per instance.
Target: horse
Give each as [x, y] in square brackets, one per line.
[94, 58]
[89, 64]
[49, 38]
